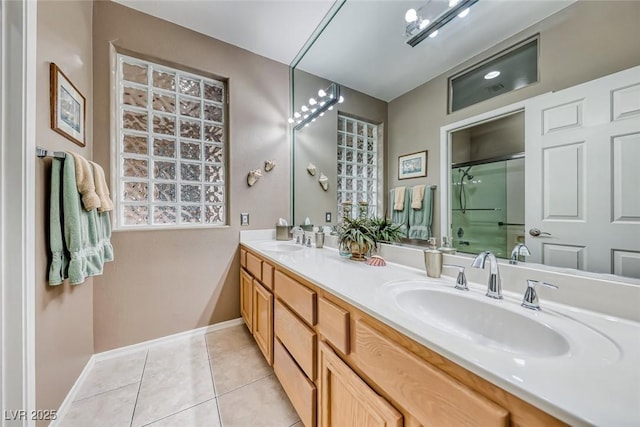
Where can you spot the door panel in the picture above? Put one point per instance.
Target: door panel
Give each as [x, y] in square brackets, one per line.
[583, 147]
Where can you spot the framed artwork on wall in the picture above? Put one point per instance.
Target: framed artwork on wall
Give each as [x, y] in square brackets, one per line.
[412, 165]
[68, 107]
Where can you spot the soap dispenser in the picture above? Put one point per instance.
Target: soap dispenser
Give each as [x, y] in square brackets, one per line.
[433, 259]
[446, 247]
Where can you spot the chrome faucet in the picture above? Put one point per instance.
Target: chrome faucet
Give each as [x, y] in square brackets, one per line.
[519, 250]
[531, 300]
[494, 287]
[298, 234]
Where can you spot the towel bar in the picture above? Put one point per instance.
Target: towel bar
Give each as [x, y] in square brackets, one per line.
[41, 152]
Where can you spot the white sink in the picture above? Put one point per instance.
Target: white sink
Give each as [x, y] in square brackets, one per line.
[496, 324]
[280, 247]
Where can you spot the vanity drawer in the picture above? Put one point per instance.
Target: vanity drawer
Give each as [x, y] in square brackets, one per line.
[297, 337]
[254, 265]
[333, 324]
[301, 299]
[430, 395]
[243, 258]
[267, 275]
[300, 390]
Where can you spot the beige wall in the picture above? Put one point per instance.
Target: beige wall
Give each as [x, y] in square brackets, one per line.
[64, 314]
[587, 40]
[163, 282]
[317, 144]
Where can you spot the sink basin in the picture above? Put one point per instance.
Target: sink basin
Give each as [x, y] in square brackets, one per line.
[486, 323]
[280, 247]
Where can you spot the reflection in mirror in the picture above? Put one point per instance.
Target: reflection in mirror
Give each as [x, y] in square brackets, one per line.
[487, 186]
[405, 92]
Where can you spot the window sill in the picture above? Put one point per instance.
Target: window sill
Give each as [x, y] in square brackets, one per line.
[170, 227]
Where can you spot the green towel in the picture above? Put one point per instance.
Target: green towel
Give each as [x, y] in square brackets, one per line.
[85, 234]
[400, 217]
[59, 257]
[420, 219]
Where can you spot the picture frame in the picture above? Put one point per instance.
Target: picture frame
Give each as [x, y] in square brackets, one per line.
[68, 107]
[412, 165]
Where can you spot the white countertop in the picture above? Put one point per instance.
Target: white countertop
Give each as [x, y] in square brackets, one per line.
[592, 384]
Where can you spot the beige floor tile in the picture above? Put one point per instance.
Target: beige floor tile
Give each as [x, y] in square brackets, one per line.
[237, 368]
[228, 340]
[202, 415]
[173, 389]
[175, 355]
[113, 373]
[259, 404]
[111, 409]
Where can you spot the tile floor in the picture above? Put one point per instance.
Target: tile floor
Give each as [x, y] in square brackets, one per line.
[219, 380]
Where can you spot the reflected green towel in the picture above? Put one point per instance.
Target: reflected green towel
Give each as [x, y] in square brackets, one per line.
[400, 217]
[59, 256]
[420, 219]
[86, 234]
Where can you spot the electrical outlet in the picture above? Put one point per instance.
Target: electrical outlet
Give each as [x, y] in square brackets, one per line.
[244, 219]
[327, 217]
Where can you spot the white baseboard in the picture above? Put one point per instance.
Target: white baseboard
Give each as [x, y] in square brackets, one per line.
[122, 351]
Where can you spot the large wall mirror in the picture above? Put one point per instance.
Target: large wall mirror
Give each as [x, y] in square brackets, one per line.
[395, 100]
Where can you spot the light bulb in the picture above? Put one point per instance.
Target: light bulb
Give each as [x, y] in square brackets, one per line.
[330, 108]
[296, 115]
[313, 110]
[322, 93]
[313, 120]
[435, 33]
[424, 24]
[322, 114]
[340, 100]
[305, 116]
[491, 75]
[322, 103]
[312, 101]
[453, 2]
[411, 16]
[306, 125]
[463, 13]
[290, 120]
[304, 108]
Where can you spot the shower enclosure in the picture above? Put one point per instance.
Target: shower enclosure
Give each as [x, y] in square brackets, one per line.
[488, 205]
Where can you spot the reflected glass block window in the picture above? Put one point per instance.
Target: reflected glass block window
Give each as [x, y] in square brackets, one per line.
[357, 166]
[171, 148]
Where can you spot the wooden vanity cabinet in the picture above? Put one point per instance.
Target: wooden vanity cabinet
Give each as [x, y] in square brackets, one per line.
[256, 301]
[342, 367]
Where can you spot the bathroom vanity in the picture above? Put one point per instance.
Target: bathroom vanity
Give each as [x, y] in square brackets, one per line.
[353, 342]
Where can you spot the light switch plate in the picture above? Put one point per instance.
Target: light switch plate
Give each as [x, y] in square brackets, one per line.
[244, 219]
[327, 217]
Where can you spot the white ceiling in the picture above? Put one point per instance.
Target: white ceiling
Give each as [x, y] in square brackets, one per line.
[364, 46]
[271, 28]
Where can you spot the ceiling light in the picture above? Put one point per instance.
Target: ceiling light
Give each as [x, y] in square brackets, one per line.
[491, 75]
[290, 120]
[312, 101]
[296, 115]
[411, 16]
[432, 35]
[322, 93]
[463, 13]
[304, 108]
[340, 100]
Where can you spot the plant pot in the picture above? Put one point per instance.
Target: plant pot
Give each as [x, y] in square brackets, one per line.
[358, 251]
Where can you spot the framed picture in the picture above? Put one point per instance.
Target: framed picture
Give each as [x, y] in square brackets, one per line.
[412, 165]
[68, 107]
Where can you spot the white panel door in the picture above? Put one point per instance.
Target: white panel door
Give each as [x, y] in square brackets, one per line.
[583, 176]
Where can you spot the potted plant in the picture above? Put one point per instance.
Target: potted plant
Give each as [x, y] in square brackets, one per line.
[358, 235]
[385, 231]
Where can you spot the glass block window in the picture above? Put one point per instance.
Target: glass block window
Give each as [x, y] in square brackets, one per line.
[357, 165]
[170, 147]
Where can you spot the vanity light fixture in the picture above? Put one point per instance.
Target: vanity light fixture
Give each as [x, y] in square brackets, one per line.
[324, 102]
[458, 8]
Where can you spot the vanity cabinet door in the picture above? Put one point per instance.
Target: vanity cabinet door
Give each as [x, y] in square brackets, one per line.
[263, 320]
[346, 400]
[246, 299]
